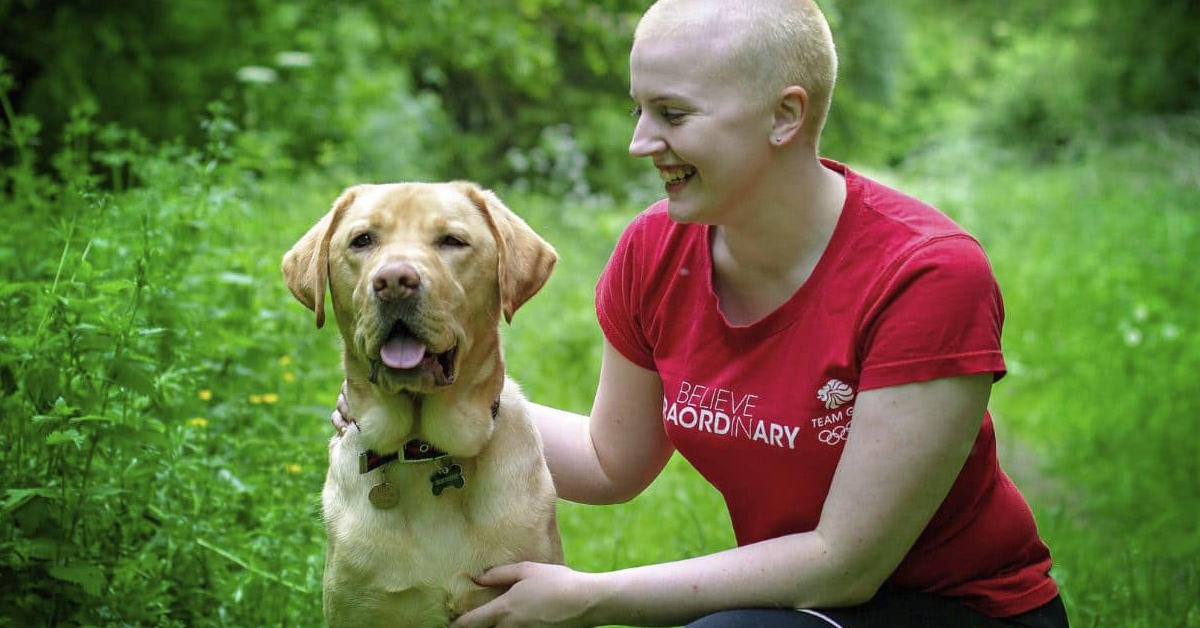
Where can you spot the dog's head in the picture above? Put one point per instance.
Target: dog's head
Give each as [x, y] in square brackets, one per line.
[419, 275]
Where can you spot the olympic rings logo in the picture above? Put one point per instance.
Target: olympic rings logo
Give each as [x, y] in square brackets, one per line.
[835, 435]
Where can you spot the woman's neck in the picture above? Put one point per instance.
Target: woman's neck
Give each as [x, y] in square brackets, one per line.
[762, 259]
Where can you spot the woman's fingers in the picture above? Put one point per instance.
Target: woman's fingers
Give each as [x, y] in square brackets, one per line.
[341, 417]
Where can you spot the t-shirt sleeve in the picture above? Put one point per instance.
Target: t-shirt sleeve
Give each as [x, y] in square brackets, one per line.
[938, 313]
[619, 296]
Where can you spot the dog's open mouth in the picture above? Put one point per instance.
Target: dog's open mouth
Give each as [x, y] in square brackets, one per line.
[404, 351]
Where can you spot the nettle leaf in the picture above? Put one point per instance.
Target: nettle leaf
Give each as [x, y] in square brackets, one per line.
[63, 409]
[39, 419]
[86, 575]
[34, 512]
[16, 497]
[135, 376]
[59, 437]
[93, 418]
[91, 341]
[41, 380]
[43, 547]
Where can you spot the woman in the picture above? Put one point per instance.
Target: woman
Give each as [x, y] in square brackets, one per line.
[819, 346]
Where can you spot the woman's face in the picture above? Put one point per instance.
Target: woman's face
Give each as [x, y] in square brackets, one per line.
[708, 138]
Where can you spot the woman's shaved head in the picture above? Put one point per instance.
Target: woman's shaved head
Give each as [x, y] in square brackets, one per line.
[767, 44]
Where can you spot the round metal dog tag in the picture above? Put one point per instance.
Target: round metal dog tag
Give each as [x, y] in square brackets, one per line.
[383, 496]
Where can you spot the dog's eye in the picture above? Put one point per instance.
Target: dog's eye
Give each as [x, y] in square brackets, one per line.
[451, 242]
[362, 241]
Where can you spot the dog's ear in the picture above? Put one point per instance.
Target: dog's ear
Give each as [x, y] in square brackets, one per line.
[525, 259]
[306, 264]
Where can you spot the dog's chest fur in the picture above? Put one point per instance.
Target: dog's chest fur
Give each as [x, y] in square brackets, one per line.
[417, 558]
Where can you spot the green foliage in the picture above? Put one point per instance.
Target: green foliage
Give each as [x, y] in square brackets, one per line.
[129, 496]
[164, 398]
[134, 57]
[534, 94]
[1045, 77]
[1147, 57]
[385, 90]
[869, 36]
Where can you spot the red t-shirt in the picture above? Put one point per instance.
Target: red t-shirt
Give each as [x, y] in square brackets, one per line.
[901, 294]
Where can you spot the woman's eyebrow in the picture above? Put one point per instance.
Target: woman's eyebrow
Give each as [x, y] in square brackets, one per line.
[661, 97]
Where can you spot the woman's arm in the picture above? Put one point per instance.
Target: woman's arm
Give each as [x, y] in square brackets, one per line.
[612, 456]
[906, 447]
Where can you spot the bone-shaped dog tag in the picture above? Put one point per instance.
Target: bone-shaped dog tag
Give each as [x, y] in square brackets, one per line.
[446, 477]
[383, 496]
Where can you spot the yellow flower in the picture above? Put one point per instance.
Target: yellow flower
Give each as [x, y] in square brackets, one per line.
[289, 377]
[285, 360]
[270, 398]
[256, 399]
[205, 394]
[293, 469]
[198, 422]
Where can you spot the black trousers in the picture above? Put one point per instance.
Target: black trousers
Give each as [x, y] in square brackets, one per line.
[890, 608]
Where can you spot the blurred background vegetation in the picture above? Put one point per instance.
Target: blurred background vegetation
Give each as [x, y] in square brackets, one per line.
[534, 91]
[163, 399]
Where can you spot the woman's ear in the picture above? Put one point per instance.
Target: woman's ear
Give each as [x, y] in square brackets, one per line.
[790, 115]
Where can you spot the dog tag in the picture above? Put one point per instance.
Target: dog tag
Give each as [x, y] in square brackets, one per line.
[446, 477]
[383, 496]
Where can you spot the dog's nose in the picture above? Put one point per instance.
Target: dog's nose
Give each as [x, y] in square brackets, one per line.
[396, 280]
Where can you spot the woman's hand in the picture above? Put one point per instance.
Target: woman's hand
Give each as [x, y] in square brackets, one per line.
[538, 596]
[341, 417]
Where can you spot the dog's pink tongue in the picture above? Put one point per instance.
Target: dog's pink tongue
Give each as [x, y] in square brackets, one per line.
[402, 352]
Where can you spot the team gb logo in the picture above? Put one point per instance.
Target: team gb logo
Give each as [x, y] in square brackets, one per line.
[834, 393]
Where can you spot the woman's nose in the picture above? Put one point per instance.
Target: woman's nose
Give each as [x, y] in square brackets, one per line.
[646, 141]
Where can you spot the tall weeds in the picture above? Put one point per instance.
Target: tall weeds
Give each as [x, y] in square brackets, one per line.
[126, 307]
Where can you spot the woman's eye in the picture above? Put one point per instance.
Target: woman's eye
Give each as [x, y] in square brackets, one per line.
[453, 242]
[362, 241]
[671, 115]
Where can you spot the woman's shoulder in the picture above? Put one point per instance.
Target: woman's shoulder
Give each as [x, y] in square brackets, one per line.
[890, 234]
[902, 214]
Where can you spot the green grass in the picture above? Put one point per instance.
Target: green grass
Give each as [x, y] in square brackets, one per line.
[166, 400]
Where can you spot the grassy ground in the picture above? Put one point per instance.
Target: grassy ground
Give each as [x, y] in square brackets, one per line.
[166, 399]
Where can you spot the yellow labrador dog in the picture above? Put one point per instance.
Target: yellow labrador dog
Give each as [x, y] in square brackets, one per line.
[445, 476]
